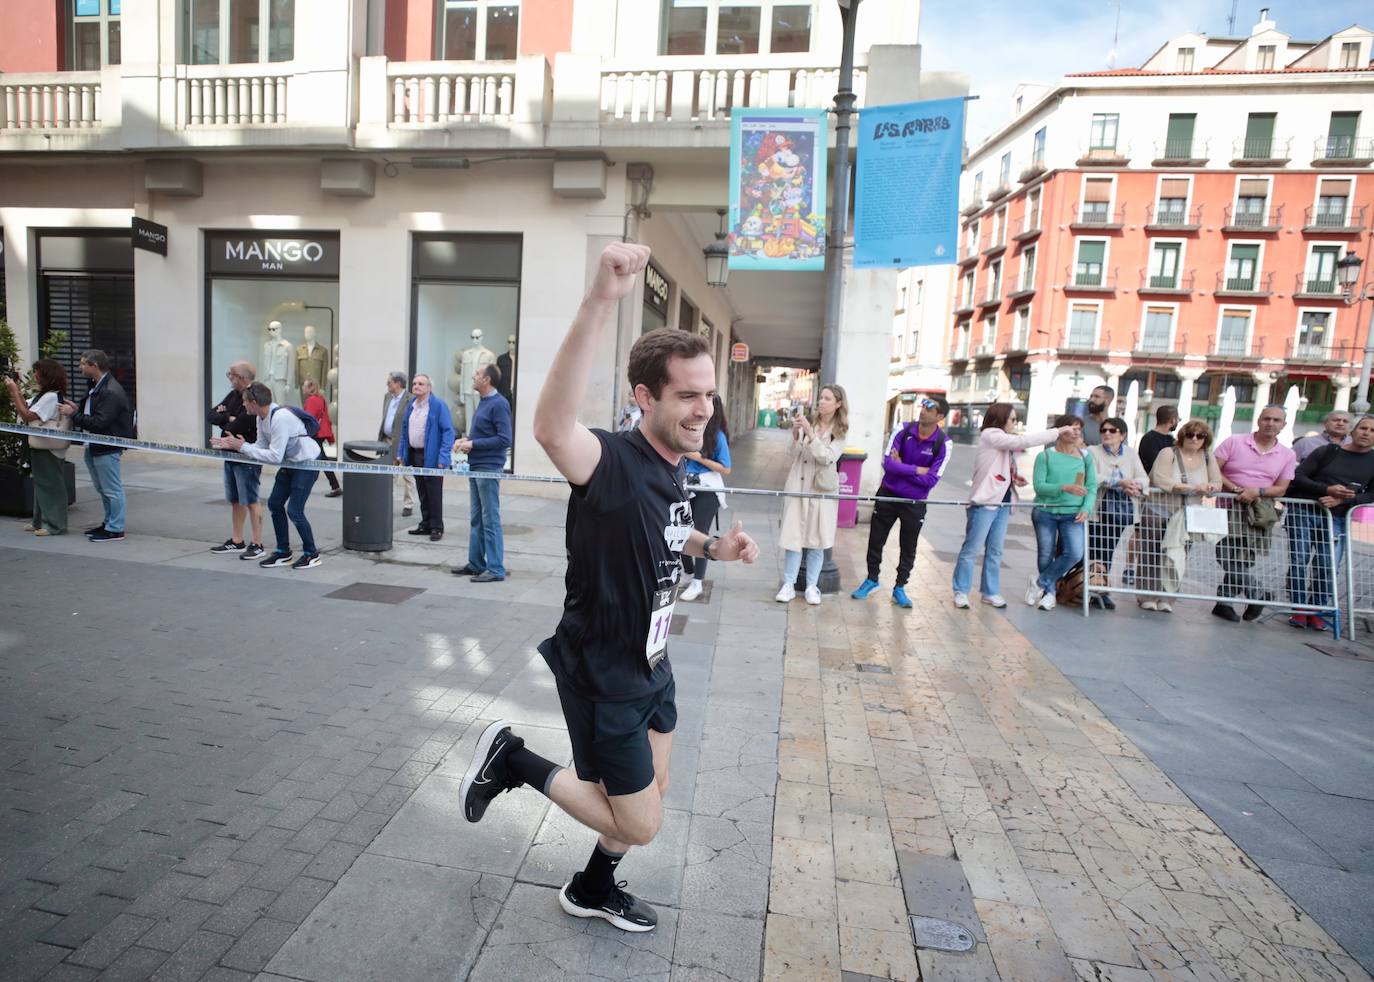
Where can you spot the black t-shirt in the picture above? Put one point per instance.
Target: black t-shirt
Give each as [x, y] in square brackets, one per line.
[1150, 446]
[621, 568]
[1332, 465]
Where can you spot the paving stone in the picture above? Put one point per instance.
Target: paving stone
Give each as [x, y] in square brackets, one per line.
[29, 960]
[717, 946]
[935, 886]
[194, 958]
[134, 965]
[257, 945]
[296, 902]
[727, 866]
[240, 911]
[67, 972]
[800, 949]
[1022, 941]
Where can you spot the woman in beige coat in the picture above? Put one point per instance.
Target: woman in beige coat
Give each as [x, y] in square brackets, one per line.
[809, 523]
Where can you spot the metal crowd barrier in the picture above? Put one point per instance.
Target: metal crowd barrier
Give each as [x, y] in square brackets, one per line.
[1359, 565]
[1191, 547]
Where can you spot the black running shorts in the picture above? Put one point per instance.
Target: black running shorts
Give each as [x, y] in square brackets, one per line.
[610, 740]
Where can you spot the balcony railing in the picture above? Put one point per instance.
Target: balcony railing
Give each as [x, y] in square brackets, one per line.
[50, 101]
[1347, 220]
[1159, 343]
[1177, 153]
[1080, 340]
[1343, 150]
[232, 95]
[1250, 286]
[1302, 349]
[695, 94]
[1090, 280]
[1098, 218]
[1231, 347]
[1090, 156]
[1178, 282]
[1268, 220]
[1266, 150]
[438, 92]
[1177, 219]
[1309, 287]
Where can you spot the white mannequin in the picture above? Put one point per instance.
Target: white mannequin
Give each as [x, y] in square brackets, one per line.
[278, 366]
[466, 361]
[312, 360]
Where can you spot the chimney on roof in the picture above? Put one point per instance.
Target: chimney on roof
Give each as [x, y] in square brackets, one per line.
[1265, 24]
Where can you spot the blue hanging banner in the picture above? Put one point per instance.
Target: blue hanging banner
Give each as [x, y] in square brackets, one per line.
[777, 188]
[906, 194]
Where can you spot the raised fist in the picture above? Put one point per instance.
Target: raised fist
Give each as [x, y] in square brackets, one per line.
[621, 263]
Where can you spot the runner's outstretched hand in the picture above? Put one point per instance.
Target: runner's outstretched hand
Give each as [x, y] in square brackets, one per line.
[621, 263]
[735, 544]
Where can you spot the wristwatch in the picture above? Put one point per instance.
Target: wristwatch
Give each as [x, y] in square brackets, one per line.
[706, 549]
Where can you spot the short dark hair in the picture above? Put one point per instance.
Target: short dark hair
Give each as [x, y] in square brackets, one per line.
[50, 375]
[258, 393]
[1111, 393]
[651, 353]
[492, 373]
[1166, 414]
[997, 415]
[1067, 419]
[96, 357]
[941, 403]
[1119, 423]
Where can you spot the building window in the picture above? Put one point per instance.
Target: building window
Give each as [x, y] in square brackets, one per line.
[1172, 208]
[1021, 341]
[1350, 54]
[1082, 326]
[1004, 173]
[230, 32]
[1038, 148]
[999, 227]
[901, 299]
[1097, 200]
[961, 343]
[1333, 202]
[914, 343]
[1321, 269]
[735, 27]
[989, 332]
[1252, 202]
[1242, 268]
[1157, 334]
[478, 30]
[94, 34]
[1185, 59]
[995, 280]
[1028, 269]
[1264, 58]
[971, 244]
[1235, 332]
[1103, 133]
[1092, 254]
[1259, 136]
[1314, 333]
[920, 292]
[1340, 135]
[1178, 141]
[1032, 212]
[1164, 259]
[968, 290]
[978, 186]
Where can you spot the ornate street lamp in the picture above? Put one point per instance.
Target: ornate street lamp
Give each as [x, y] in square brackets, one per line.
[1348, 274]
[718, 256]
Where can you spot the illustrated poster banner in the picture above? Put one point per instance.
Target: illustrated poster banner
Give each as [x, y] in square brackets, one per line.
[906, 193]
[777, 189]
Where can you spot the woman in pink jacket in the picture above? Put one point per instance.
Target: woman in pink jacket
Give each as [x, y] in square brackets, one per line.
[994, 490]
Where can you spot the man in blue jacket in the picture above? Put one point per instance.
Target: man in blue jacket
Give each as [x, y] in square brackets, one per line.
[427, 441]
[488, 439]
[914, 463]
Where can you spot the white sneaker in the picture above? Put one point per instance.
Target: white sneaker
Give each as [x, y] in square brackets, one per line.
[961, 601]
[1033, 593]
[1046, 602]
[995, 600]
[692, 592]
[1149, 605]
[786, 594]
[1165, 606]
[813, 595]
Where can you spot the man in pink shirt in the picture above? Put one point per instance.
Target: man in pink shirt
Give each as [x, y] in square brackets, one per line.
[1253, 466]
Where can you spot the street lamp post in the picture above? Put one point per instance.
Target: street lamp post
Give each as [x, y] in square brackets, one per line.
[1348, 274]
[839, 207]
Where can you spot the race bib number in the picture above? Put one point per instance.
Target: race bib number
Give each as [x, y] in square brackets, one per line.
[660, 622]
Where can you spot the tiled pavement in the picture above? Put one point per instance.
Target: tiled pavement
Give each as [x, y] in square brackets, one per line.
[206, 778]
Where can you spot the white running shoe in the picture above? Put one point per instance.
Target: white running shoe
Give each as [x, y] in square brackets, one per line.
[1033, 593]
[995, 600]
[813, 595]
[1046, 602]
[1165, 606]
[961, 601]
[692, 592]
[786, 594]
[1149, 605]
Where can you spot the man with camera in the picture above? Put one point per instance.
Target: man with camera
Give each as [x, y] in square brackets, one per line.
[106, 411]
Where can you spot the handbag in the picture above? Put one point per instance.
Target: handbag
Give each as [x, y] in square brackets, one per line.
[826, 480]
[60, 424]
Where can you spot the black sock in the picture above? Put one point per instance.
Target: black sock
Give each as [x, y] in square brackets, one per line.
[599, 876]
[532, 769]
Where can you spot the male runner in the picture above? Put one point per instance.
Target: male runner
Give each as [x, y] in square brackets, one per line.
[628, 522]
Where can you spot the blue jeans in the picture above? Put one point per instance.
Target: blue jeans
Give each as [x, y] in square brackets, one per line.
[985, 527]
[289, 492]
[104, 471]
[1058, 545]
[1308, 545]
[791, 565]
[486, 547]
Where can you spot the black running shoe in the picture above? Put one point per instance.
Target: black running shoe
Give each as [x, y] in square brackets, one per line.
[254, 551]
[619, 908]
[228, 545]
[488, 776]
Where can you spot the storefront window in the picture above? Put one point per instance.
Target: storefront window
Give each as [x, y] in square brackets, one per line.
[86, 291]
[686, 314]
[274, 302]
[466, 315]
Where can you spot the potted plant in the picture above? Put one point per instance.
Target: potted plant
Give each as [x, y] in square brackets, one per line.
[16, 484]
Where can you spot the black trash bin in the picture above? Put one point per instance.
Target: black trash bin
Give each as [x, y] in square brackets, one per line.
[367, 519]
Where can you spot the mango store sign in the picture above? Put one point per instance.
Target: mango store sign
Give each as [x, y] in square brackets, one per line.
[256, 254]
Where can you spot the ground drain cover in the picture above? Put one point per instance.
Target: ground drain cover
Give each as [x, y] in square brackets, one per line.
[375, 593]
[869, 667]
[938, 935]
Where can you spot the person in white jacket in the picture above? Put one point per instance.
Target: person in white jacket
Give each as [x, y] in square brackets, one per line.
[991, 496]
[282, 440]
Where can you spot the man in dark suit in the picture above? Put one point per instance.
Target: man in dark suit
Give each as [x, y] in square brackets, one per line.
[394, 406]
[107, 412]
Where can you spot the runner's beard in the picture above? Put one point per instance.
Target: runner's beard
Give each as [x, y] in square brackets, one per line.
[674, 435]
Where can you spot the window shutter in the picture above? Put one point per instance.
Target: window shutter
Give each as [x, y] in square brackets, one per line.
[1173, 187]
[1091, 252]
[1251, 187]
[1098, 189]
[1335, 187]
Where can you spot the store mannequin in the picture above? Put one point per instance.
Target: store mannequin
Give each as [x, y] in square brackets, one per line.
[466, 361]
[312, 360]
[278, 366]
[506, 364]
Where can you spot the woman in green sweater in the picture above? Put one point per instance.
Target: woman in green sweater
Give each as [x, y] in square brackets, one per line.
[1065, 490]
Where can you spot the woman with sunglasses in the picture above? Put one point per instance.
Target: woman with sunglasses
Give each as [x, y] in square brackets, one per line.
[1121, 481]
[1187, 469]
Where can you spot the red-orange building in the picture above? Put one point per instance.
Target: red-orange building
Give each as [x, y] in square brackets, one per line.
[1176, 225]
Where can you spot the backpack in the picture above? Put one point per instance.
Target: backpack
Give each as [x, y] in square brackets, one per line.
[311, 424]
[1068, 592]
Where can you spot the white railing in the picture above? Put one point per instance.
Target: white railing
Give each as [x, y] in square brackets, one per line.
[50, 101]
[211, 95]
[433, 93]
[708, 94]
